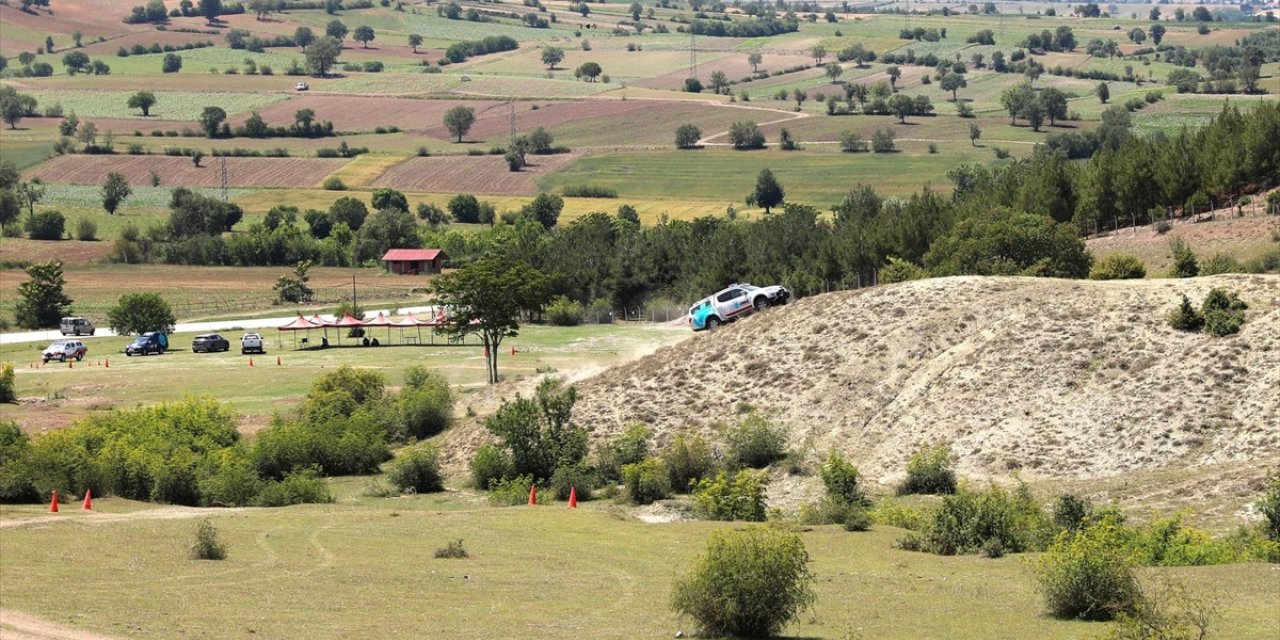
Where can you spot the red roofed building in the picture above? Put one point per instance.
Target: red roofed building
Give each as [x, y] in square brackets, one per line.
[414, 261]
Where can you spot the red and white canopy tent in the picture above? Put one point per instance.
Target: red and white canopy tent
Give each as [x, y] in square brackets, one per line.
[350, 322]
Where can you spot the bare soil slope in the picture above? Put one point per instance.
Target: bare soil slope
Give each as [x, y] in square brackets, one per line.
[1060, 379]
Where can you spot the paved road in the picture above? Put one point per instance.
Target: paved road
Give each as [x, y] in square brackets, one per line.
[215, 326]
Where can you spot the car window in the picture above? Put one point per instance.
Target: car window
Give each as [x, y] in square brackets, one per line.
[736, 293]
[726, 296]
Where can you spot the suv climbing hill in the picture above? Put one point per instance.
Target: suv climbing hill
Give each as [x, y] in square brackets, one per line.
[733, 302]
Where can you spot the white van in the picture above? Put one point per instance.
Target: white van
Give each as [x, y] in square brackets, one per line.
[77, 326]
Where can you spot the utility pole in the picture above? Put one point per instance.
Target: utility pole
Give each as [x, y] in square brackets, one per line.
[224, 178]
[353, 292]
[511, 116]
[693, 56]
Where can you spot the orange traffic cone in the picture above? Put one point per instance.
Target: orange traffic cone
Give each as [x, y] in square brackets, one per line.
[277, 361]
[251, 362]
[53, 504]
[533, 495]
[106, 364]
[573, 497]
[88, 500]
[513, 350]
[71, 365]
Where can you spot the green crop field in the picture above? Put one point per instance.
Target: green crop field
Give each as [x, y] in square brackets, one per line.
[169, 105]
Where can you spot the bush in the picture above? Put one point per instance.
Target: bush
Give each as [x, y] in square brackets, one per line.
[1118, 266]
[566, 479]
[929, 471]
[882, 141]
[425, 403]
[646, 481]
[1221, 263]
[841, 480]
[1222, 323]
[15, 468]
[1184, 259]
[304, 486]
[755, 442]
[207, 546]
[45, 225]
[334, 183]
[537, 431]
[750, 582]
[490, 466]
[899, 270]
[86, 230]
[453, 550]
[589, 191]
[1070, 512]
[510, 492]
[563, 312]
[139, 313]
[831, 511]
[1269, 506]
[969, 522]
[630, 447]
[1084, 576]
[1223, 312]
[1186, 317]
[740, 497]
[417, 468]
[689, 459]
[7, 393]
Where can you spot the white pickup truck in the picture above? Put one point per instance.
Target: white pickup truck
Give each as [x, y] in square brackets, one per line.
[252, 343]
[733, 302]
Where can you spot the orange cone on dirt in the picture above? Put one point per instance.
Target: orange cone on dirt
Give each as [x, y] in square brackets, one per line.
[573, 497]
[251, 362]
[513, 350]
[53, 504]
[106, 364]
[533, 495]
[277, 361]
[88, 500]
[71, 365]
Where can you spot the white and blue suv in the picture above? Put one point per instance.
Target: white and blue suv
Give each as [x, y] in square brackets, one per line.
[733, 302]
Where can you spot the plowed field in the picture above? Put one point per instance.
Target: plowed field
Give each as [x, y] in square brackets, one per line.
[179, 171]
[470, 174]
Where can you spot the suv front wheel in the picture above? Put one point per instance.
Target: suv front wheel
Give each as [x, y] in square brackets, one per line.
[761, 303]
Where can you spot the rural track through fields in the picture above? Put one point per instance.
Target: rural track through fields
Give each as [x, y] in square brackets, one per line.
[15, 625]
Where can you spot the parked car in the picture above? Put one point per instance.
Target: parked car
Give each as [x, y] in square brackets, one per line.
[150, 342]
[210, 343]
[301, 86]
[76, 326]
[252, 343]
[64, 350]
[733, 302]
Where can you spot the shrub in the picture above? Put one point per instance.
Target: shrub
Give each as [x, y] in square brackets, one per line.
[899, 270]
[300, 487]
[882, 141]
[537, 431]
[831, 511]
[1269, 506]
[417, 468]
[86, 230]
[740, 497]
[1221, 263]
[929, 471]
[453, 550]
[688, 459]
[425, 403]
[139, 313]
[630, 447]
[589, 191]
[1184, 259]
[1118, 266]
[750, 582]
[207, 546]
[231, 483]
[1070, 512]
[968, 522]
[646, 481]
[578, 476]
[334, 183]
[1186, 317]
[890, 513]
[841, 480]
[563, 312]
[7, 393]
[490, 466]
[510, 492]
[15, 468]
[45, 225]
[755, 442]
[1084, 576]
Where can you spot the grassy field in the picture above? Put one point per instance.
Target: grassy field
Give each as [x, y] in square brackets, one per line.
[363, 568]
[256, 392]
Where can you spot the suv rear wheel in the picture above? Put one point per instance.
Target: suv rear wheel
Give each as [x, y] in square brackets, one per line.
[713, 323]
